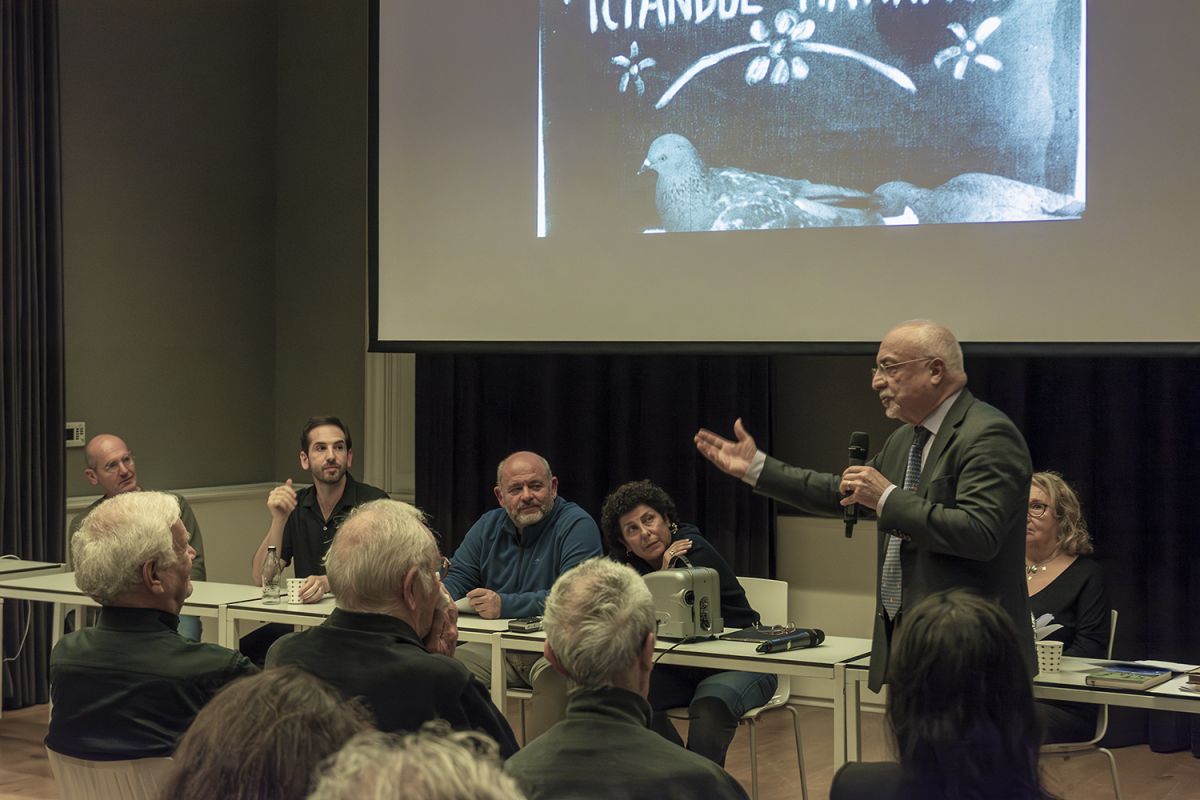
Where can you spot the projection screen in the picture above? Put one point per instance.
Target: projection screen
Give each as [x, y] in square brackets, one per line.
[729, 175]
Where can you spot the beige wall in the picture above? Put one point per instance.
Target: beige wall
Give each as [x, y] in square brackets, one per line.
[321, 216]
[214, 200]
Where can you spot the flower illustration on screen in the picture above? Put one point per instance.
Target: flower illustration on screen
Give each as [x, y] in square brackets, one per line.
[784, 40]
[633, 70]
[788, 28]
[967, 49]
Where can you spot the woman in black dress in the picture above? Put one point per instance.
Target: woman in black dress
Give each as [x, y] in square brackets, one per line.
[1065, 588]
[643, 530]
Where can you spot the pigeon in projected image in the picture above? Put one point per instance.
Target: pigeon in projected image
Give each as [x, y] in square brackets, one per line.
[693, 197]
[978, 197]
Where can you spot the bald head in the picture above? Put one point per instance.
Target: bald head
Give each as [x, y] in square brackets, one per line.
[110, 465]
[934, 340]
[920, 365]
[525, 488]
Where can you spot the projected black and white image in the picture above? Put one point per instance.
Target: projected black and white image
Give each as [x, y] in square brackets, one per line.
[710, 115]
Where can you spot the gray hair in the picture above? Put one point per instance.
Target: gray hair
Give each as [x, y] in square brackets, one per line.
[596, 620]
[373, 550]
[118, 537]
[434, 764]
[503, 461]
[937, 341]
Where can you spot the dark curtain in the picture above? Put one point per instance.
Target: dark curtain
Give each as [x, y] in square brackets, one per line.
[600, 421]
[32, 483]
[1125, 433]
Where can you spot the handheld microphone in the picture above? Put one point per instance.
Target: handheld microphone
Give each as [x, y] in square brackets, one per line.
[859, 442]
[801, 639]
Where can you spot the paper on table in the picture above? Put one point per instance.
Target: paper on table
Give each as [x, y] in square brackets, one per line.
[464, 606]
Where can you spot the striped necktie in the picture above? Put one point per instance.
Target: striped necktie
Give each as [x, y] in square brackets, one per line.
[891, 581]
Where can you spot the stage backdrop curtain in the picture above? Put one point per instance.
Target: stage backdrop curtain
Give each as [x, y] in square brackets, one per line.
[1124, 432]
[32, 486]
[600, 421]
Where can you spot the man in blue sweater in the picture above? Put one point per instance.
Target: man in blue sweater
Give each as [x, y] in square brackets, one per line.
[511, 557]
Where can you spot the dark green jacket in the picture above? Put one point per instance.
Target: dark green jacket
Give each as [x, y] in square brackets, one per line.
[130, 686]
[964, 526]
[605, 749]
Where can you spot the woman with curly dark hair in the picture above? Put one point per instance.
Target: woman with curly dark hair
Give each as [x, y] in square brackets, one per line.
[959, 707]
[643, 530]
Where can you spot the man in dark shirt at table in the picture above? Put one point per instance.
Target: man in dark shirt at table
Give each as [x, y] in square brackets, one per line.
[390, 639]
[130, 686]
[600, 624]
[304, 522]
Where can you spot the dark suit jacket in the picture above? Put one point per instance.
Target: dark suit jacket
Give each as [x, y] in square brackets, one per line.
[964, 526]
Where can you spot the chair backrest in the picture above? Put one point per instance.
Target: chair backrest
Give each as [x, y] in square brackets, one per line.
[138, 779]
[769, 598]
[1102, 714]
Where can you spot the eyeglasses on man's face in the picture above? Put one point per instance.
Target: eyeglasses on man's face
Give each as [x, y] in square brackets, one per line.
[891, 370]
[125, 461]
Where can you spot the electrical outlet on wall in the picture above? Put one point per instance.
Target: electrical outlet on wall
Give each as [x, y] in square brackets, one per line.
[76, 434]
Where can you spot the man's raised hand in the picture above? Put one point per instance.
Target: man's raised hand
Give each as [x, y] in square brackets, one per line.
[282, 500]
[732, 458]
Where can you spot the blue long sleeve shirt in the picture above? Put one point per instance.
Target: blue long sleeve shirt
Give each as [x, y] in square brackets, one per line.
[521, 569]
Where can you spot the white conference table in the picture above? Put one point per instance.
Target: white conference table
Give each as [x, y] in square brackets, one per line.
[19, 568]
[825, 662]
[1069, 683]
[209, 599]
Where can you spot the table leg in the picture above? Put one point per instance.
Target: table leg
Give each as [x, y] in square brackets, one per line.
[499, 676]
[840, 731]
[853, 720]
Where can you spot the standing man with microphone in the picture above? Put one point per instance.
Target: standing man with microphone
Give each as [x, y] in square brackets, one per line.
[949, 488]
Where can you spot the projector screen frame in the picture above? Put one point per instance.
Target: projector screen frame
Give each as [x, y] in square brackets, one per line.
[740, 347]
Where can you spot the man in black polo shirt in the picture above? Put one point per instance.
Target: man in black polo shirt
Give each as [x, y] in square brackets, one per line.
[131, 685]
[303, 523]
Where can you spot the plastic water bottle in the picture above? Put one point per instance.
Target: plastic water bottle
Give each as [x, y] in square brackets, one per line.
[272, 577]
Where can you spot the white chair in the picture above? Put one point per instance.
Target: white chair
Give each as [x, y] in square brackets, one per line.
[770, 599]
[1065, 750]
[139, 779]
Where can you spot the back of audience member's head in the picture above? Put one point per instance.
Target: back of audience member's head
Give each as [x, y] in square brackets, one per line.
[960, 700]
[262, 737]
[597, 618]
[118, 537]
[434, 764]
[372, 553]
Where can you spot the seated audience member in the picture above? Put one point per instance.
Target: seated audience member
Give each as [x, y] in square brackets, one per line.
[388, 640]
[643, 530]
[304, 522]
[111, 467]
[130, 686]
[1067, 587]
[600, 634]
[959, 707]
[433, 764]
[261, 738]
[507, 563]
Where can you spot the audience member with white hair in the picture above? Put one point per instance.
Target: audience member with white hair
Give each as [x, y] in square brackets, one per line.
[390, 639]
[435, 763]
[130, 686]
[600, 627]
